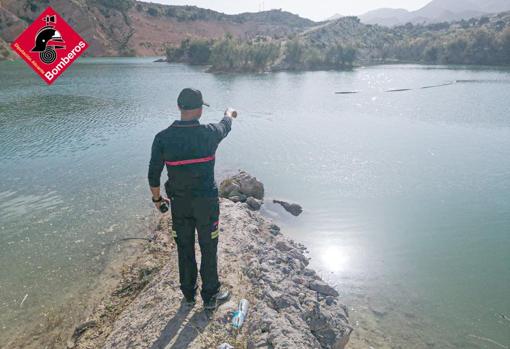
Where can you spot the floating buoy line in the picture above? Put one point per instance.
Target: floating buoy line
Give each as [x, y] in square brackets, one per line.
[449, 83]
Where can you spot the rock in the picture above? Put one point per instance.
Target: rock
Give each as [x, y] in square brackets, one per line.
[253, 203]
[259, 263]
[250, 186]
[244, 184]
[323, 325]
[283, 246]
[300, 281]
[309, 272]
[160, 60]
[283, 302]
[259, 344]
[235, 198]
[279, 300]
[323, 288]
[293, 209]
[228, 187]
[274, 229]
[78, 331]
[296, 254]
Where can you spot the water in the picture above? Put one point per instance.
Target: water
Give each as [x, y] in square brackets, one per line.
[406, 194]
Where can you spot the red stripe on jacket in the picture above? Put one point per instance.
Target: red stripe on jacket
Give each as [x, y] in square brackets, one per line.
[189, 162]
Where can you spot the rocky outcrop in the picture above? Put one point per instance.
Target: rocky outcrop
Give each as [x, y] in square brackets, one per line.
[290, 306]
[253, 203]
[293, 209]
[243, 187]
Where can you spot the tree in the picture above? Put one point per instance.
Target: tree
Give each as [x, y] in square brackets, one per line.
[504, 44]
[224, 54]
[121, 5]
[431, 54]
[349, 56]
[294, 53]
[199, 52]
[455, 51]
[335, 56]
[152, 12]
[261, 55]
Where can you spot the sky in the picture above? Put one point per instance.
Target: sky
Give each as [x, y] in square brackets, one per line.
[313, 9]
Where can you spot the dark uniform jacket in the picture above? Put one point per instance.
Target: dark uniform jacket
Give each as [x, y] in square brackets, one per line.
[187, 148]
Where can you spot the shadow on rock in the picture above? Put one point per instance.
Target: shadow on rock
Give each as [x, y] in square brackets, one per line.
[172, 327]
[192, 330]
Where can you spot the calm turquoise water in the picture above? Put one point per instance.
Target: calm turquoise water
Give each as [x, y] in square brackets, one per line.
[406, 194]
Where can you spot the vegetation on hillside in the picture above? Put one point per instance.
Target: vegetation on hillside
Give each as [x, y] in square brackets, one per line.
[5, 51]
[265, 41]
[302, 55]
[262, 54]
[343, 43]
[120, 5]
[194, 13]
[483, 41]
[131, 27]
[227, 54]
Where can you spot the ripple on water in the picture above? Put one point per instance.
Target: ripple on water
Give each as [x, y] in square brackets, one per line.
[37, 126]
[14, 206]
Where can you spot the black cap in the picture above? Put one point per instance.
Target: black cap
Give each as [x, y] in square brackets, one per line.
[190, 99]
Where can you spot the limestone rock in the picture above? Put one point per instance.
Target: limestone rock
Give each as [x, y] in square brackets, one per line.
[293, 209]
[253, 203]
[274, 229]
[242, 183]
[323, 288]
[290, 306]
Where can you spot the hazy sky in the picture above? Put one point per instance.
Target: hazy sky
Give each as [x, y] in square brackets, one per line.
[314, 9]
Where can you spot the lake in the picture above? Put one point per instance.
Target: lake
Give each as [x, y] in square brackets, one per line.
[406, 194]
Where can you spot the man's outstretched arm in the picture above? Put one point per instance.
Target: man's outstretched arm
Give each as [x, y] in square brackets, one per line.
[222, 129]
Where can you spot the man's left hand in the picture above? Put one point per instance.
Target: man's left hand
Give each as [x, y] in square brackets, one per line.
[161, 201]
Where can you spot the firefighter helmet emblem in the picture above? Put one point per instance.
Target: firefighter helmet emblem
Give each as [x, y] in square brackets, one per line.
[48, 40]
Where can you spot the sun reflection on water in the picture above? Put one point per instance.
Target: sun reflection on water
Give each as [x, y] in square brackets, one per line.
[335, 258]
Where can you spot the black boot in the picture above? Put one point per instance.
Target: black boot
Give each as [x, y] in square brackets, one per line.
[189, 302]
[189, 299]
[220, 297]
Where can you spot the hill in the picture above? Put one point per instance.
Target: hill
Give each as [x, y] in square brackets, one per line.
[128, 27]
[270, 40]
[386, 16]
[485, 40]
[347, 42]
[335, 17]
[436, 11]
[5, 51]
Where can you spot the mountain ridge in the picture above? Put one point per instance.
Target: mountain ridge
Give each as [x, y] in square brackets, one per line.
[435, 11]
[134, 28]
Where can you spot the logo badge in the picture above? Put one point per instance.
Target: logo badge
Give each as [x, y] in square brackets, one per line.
[49, 45]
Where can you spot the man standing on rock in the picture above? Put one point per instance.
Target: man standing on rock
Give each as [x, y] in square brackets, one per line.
[188, 148]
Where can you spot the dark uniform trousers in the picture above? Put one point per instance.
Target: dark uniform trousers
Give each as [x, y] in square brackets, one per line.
[202, 215]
